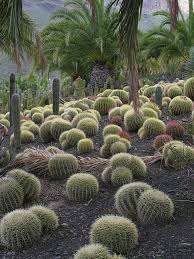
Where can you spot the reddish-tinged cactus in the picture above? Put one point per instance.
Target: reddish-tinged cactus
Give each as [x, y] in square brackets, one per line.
[124, 134]
[175, 129]
[117, 120]
[161, 140]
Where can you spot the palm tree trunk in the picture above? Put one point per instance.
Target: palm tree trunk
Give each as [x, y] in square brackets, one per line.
[174, 11]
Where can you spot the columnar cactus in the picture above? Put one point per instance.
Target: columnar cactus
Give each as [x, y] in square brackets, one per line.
[56, 96]
[12, 90]
[158, 95]
[15, 118]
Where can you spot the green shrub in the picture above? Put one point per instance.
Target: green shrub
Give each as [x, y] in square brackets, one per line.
[89, 126]
[180, 105]
[121, 176]
[127, 197]
[150, 113]
[122, 94]
[118, 147]
[151, 128]
[133, 121]
[118, 234]
[58, 127]
[154, 207]
[30, 183]
[11, 194]
[189, 88]
[74, 136]
[174, 91]
[45, 131]
[37, 118]
[82, 187]
[111, 129]
[178, 155]
[104, 104]
[94, 251]
[62, 166]
[47, 217]
[106, 175]
[85, 146]
[19, 229]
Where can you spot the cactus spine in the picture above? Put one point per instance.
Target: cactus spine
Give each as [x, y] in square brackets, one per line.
[12, 90]
[15, 103]
[56, 98]
[158, 95]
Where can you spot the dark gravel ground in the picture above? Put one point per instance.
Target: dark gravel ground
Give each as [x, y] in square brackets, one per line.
[172, 241]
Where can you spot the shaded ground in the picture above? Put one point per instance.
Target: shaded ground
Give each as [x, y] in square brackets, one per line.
[172, 241]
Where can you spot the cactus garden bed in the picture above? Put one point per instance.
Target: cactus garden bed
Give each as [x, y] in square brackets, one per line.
[98, 179]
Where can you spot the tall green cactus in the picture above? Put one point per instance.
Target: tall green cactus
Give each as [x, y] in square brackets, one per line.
[56, 96]
[12, 90]
[158, 95]
[15, 103]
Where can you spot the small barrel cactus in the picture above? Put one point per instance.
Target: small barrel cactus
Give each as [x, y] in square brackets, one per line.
[83, 115]
[133, 121]
[20, 229]
[15, 120]
[158, 95]
[37, 118]
[149, 113]
[127, 197]
[62, 166]
[121, 176]
[53, 150]
[152, 106]
[178, 155]
[45, 131]
[47, 217]
[117, 233]
[26, 137]
[149, 91]
[105, 151]
[56, 96]
[122, 94]
[5, 157]
[104, 104]
[85, 146]
[93, 251]
[174, 91]
[118, 147]
[117, 120]
[151, 128]
[74, 136]
[134, 163]
[189, 88]
[161, 140]
[175, 129]
[34, 129]
[11, 194]
[63, 136]
[111, 129]
[154, 207]
[58, 126]
[180, 105]
[114, 112]
[5, 123]
[89, 126]
[106, 175]
[30, 184]
[82, 187]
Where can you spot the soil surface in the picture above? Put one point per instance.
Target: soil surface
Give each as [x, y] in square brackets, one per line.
[172, 241]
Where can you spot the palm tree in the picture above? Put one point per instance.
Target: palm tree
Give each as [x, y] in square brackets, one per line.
[16, 31]
[80, 38]
[129, 15]
[174, 11]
